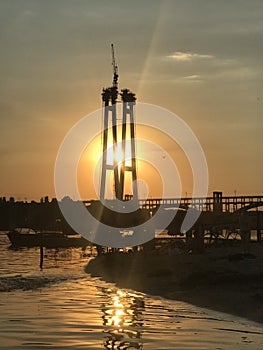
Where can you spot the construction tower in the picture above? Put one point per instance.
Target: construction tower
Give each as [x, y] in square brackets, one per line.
[117, 167]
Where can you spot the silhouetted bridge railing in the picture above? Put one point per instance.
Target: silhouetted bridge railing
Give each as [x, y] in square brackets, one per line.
[215, 203]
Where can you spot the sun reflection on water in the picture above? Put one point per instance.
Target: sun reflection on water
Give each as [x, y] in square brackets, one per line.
[122, 319]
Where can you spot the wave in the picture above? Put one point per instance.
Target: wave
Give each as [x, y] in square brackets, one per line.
[11, 283]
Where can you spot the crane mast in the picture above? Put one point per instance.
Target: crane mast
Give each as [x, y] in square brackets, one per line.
[115, 68]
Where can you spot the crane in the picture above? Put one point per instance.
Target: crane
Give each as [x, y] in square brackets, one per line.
[115, 69]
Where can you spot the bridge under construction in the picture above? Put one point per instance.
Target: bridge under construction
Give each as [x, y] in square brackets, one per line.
[218, 213]
[224, 216]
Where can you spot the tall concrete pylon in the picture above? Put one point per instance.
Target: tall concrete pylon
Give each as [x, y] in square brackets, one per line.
[109, 98]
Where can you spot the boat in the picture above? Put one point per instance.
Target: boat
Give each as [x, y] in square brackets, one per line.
[21, 237]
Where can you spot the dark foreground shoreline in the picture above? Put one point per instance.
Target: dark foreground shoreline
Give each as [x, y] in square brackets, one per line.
[222, 278]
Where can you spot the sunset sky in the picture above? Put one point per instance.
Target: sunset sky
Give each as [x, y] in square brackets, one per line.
[201, 59]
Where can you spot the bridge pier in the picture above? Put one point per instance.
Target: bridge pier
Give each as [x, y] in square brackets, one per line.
[259, 232]
[217, 202]
[259, 235]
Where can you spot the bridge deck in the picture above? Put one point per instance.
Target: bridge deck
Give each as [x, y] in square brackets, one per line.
[228, 203]
[224, 203]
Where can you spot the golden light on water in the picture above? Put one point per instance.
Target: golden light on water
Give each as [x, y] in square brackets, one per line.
[122, 319]
[117, 312]
[121, 293]
[116, 302]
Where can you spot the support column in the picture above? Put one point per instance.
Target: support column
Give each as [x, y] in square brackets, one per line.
[128, 102]
[109, 97]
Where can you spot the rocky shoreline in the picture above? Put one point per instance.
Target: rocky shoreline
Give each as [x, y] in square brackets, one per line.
[222, 278]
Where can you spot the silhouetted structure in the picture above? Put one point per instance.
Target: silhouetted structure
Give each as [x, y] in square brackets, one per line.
[42, 215]
[109, 98]
[217, 213]
[46, 215]
[112, 214]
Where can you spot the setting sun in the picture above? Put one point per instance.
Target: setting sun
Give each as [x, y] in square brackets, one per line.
[150, 164]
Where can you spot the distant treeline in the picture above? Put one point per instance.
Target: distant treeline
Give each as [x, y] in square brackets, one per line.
[43, 215]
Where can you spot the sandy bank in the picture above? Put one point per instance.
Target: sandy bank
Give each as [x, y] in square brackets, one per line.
[222, 278]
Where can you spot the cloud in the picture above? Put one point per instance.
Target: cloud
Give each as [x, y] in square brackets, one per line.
[194, 77]
[189, 79]
[188, 56]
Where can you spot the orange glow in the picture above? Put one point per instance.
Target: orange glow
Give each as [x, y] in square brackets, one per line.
[93, 151]
[92, 159]
[119, 154]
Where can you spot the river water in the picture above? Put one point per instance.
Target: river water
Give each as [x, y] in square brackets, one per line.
[61, 307]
